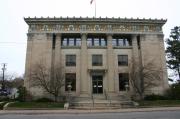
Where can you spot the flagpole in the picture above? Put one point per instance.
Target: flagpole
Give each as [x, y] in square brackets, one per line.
[95, 7]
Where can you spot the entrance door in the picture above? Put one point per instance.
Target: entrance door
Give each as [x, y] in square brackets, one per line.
[97, 84]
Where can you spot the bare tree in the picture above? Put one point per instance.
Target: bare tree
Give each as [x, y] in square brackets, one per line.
[144, 77]
[50, 80]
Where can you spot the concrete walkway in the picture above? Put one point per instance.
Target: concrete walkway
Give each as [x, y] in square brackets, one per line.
[71, 111]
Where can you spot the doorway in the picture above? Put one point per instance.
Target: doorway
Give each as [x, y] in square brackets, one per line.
[97, 84]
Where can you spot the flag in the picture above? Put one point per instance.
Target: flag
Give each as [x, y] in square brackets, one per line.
[91, 1]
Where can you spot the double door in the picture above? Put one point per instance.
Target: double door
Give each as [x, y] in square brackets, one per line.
[97, 84]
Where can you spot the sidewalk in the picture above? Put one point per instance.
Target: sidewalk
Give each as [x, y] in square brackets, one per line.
[71, 111]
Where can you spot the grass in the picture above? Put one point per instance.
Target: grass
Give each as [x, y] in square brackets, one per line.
[160, 103]
[37, 105]
[2, 105]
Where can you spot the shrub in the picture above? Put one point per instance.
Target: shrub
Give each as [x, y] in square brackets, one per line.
[155, 97]
[22, 94]
[43, 100]
[174, 91]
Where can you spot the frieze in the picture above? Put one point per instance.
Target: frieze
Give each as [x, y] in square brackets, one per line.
[94, 27]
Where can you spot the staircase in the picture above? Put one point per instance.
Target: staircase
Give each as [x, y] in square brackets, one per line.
[102, 101]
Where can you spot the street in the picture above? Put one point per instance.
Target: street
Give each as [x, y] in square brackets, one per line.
[126, 115]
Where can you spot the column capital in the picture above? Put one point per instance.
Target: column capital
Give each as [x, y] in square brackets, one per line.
[109, 34]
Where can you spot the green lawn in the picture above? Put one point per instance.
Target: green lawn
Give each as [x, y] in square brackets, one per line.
[36, 105]
[159, 103]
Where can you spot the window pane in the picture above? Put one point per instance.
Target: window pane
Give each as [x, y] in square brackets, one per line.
[96, 60]
[103, 42]
[70, 79]
[96, 42]
[120, 42]
[78, 42]
[89, 42]
[123, 81]
[71, 41]
[122, 60]
[70, 60]
[64, 43]
[114, 43]
[126, 42]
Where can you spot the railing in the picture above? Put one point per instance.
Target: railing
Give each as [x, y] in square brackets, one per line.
[107, 97]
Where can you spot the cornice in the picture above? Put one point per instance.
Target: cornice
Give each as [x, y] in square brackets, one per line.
[107, 20]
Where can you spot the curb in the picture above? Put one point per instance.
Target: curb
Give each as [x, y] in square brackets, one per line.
[87, 111]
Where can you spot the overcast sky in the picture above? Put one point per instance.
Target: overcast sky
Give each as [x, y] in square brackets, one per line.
[13, 29]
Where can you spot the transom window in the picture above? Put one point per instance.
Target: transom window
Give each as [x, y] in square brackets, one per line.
[70, 60]
[70, 79]
[122, 60]
[97, 60]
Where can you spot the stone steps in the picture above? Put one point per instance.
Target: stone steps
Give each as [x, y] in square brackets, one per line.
[99, 102]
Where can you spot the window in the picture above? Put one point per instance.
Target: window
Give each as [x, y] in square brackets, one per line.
[96, 60]
[71, 41]
[70, 60]
[123, 81]
[89, 42]
[122, 60]
[64, 42]
[96, 41]
[70, 79]
[78, 42]
[103, 42]
[118, 41]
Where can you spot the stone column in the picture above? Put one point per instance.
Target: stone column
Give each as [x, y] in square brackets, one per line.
[84, 66]
[163, 63]
[110, 65]
[135, 58]
[58, 60]
[28, 60]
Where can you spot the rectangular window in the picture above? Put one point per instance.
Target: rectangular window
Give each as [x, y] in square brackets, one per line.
[78, 42]
[103, 42]
[96, 42]
[71, 42]
[120, 42]
[89, 42]
[64, 42]
[70, 60]
[123, 81]
[97, 60]
[114, 42]
[70, 80]
[122, 60]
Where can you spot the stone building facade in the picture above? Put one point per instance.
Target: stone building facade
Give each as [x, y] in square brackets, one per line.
[97, 53]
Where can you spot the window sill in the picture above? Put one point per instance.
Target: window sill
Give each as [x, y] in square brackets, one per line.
[122, 47]
[70, 47]
[97, 47]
